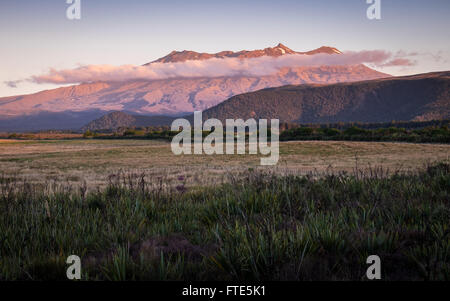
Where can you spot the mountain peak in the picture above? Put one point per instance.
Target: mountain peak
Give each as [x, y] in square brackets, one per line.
[282, 46]
[325, 49]
[283, 49]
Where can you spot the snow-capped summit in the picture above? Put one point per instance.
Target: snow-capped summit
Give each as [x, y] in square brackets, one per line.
[279, 50]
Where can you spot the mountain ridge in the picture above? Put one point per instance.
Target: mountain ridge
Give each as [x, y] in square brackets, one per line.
[279, 50]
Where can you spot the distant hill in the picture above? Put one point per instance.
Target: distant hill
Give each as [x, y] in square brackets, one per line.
[420, 98]
[115, 120]
[112, 120]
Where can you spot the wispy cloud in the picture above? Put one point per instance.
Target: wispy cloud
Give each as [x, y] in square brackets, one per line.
[399, 62]
[12, 83]
[218, 67]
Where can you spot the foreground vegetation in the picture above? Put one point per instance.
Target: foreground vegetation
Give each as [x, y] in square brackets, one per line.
[262, 226]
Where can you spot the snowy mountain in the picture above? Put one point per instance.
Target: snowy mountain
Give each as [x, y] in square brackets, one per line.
[177, 96]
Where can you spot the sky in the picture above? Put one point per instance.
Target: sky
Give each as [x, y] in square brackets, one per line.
[36, 35]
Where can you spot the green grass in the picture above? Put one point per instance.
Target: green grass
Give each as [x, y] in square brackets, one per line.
[257, 227]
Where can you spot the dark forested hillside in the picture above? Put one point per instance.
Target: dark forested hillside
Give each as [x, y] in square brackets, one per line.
[420, 98]
[117, 120]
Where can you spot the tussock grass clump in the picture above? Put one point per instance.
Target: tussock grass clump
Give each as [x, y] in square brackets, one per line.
[258, 227]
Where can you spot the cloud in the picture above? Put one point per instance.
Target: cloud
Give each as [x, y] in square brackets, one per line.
[437, 57]
[398, 62]
[12, 83]
[216, 67]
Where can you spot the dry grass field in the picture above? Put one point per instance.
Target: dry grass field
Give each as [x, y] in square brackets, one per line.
[92, 161]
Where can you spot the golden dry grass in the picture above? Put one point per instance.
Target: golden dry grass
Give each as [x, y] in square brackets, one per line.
[76, 161]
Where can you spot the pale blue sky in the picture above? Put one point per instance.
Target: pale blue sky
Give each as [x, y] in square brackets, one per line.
[35, 35]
